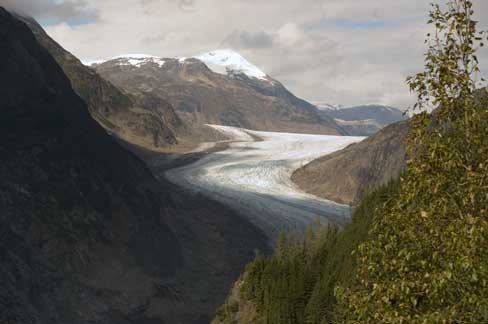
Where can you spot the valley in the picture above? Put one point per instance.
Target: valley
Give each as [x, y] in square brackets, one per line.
[188, 185]
[252, 174]
[91, 234]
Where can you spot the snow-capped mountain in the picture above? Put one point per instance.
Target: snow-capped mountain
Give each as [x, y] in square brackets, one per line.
[218, 87]
[208, 70]
[225, 61]
[361, 120]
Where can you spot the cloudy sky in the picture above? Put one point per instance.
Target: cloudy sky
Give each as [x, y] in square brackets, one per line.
[339, 51]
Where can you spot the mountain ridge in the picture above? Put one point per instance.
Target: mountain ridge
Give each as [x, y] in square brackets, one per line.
[234, 98]
[155, 126]
[363, 120]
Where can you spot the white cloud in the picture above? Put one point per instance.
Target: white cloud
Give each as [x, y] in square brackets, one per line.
[344, 51]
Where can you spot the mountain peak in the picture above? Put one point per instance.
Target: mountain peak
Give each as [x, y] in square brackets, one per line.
[227, 61]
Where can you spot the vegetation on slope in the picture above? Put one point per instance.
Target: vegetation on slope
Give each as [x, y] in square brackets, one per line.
[415, 251]
[296, 285]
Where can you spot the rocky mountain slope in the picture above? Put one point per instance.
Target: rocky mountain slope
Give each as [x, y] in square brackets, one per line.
[218, 87]
[87, 234]
[346, 175]
[148, 121]
[362, 120]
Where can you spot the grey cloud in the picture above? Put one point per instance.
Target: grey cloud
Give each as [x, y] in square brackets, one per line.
[183, 5]
[240, 39]
[292, 53]
[56, 11]
[186, 5]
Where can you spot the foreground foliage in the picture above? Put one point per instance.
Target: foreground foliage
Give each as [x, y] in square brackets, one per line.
[427, 259]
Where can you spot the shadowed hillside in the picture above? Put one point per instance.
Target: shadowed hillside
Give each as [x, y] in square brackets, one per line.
[147, 121]
[87, 233]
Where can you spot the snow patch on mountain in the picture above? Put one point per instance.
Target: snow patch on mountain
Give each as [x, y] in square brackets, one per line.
[321, 105]
[229, 62]
[327, 106]
[92, 62]
[375, 106]
[139, 60]
[360, 122]
[136, 60]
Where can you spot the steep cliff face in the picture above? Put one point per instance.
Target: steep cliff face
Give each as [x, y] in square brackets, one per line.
[346, 175]
[87, 233]
[200, 93]
[151, 123]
